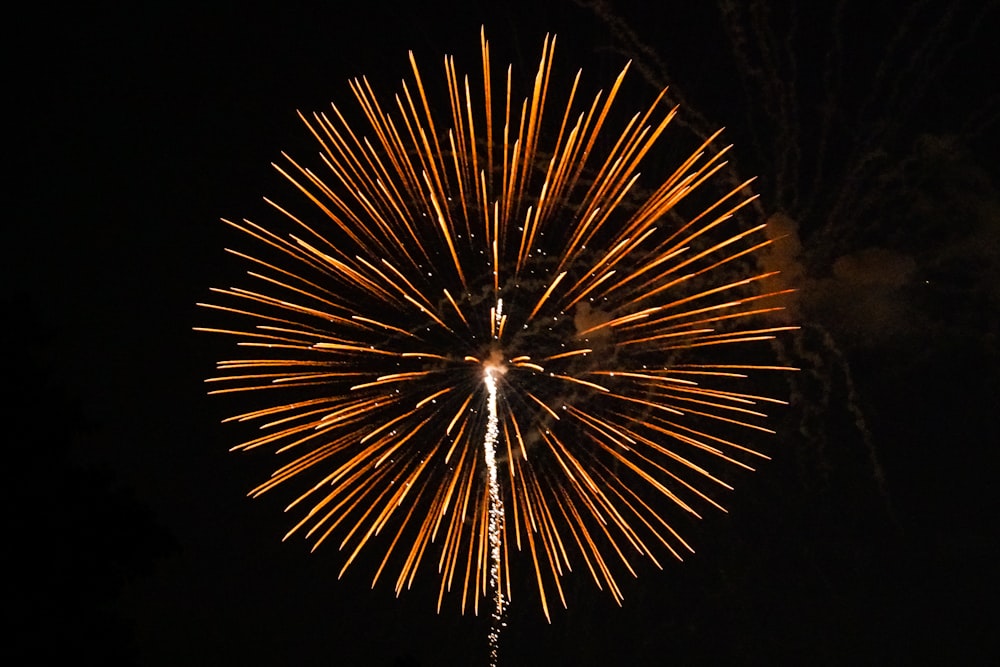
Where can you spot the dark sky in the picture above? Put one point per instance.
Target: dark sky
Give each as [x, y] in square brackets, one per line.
[866, 540]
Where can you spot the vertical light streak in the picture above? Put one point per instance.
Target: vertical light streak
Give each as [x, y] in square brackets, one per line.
[496, 514]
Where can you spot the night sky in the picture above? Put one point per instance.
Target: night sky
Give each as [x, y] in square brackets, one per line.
[866, 540]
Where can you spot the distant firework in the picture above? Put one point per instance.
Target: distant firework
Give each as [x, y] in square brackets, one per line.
[485, 332]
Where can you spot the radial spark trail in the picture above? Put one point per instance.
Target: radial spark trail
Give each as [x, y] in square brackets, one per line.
[531, 248]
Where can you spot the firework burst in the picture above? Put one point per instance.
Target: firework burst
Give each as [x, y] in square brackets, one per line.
[487, 334]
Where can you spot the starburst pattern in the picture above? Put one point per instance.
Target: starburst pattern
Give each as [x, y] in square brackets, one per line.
[488, 334]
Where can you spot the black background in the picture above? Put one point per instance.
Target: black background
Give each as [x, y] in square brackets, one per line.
[867, 540]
